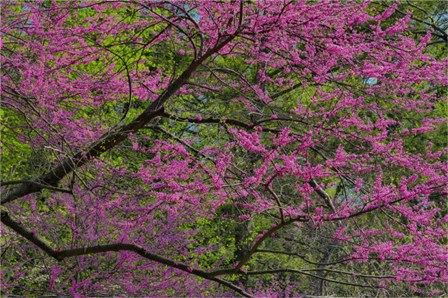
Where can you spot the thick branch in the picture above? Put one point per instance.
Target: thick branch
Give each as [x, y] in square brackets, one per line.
[111, 139]
[62, 254]
[30, 236]
[37, 184]
[322, 194]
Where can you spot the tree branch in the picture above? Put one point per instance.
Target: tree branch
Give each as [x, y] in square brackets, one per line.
[37, 184]
[113, 138]
[279, 204]
[257, 242]
[62, 254]
[234, 122]
[274, 271]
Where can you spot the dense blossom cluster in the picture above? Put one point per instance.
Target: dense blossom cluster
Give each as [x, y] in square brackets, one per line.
[150, 119]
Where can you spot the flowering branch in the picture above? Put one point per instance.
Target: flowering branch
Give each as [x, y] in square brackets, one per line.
[63, 254]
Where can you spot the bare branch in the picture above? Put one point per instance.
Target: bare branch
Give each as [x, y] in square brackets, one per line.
[279, 204]
[309, 274]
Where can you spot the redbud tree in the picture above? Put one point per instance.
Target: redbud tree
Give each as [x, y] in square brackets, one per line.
[221, 148]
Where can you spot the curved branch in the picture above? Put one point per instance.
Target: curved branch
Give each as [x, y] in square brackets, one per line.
[257, 242]
[303, 272]
[62, 254]
[274, 271]
[325, 269]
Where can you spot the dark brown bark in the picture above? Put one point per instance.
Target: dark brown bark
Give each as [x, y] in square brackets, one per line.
[111, 139]
[60, 255]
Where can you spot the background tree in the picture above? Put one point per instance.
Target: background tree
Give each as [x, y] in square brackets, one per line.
[201, 148]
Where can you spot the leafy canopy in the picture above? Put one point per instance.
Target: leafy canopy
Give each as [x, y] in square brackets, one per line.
[258, 148]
